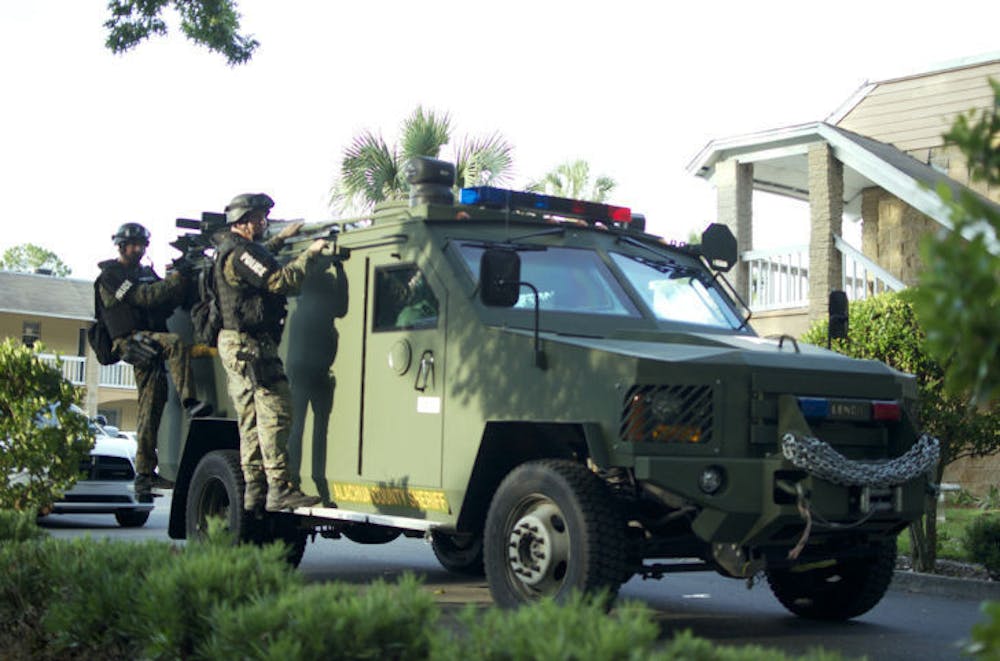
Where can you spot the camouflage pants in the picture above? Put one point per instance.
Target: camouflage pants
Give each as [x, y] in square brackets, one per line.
[151, 383]
[263, 400]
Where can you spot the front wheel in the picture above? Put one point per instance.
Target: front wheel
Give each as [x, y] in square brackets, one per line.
[841, 591]
[552, 529]
[216, 490]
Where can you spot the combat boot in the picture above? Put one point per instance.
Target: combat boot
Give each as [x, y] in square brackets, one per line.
[143, 488]
[283, 495]
[253, 497]
[157, 481]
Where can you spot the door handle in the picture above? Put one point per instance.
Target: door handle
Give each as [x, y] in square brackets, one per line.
[425, 372]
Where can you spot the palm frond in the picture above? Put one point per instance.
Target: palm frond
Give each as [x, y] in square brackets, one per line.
[424, 133]
[369, 173]
[602, 188]
[483, 161]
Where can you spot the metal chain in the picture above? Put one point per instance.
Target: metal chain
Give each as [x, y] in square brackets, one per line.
[821, 460]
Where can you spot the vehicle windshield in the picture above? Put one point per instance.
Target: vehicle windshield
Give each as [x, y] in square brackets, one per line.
[567, 280]
[677, 293]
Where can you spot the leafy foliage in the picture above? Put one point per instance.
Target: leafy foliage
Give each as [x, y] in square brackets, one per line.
[19, 526]
[572, 179]
[886, 328]
[377, 621]
[183, 597]
[214, 24]
[29, 258]
[982, 543]
[95, 596]
[371, 169]
[959, 297]
[578, 629]
[44, 437]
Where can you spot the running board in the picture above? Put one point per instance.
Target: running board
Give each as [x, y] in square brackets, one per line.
[387, 520]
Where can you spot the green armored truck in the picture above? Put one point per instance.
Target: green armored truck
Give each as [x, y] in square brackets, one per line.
[560, 400]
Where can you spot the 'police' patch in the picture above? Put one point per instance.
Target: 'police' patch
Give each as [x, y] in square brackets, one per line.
[253, 264]
[121, 292]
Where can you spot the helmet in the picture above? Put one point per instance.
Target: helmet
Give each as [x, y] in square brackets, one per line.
[131, 233]
[244, 204]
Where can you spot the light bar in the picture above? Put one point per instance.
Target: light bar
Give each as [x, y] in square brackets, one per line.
[499, 198]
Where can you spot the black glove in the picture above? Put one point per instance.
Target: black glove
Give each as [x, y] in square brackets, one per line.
[141, 350]
[184, 265]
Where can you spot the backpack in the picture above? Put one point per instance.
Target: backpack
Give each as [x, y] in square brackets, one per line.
[98, 335]
[206, 315]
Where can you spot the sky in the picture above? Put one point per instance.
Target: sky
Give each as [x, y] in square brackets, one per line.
[90, 140]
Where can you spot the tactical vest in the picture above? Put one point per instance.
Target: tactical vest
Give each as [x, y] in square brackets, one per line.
[123, 317]
[249, 307]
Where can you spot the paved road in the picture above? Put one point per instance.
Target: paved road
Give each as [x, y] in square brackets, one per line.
[905, 625]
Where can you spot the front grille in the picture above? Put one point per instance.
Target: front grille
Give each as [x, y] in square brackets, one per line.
[667, 414]
[101, 467]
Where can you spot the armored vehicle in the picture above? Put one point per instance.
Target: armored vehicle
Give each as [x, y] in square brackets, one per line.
[560, 401]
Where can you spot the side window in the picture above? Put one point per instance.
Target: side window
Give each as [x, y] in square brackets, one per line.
[403, 300]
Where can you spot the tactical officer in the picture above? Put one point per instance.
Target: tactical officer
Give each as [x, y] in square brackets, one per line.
[252, 286]
[134, 305]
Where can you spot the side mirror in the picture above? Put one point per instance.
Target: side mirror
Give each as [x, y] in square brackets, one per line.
[101, 420]
[499, 277]
[838, 311]
[718, 247]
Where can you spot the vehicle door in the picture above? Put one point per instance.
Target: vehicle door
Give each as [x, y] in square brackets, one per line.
[404, 371]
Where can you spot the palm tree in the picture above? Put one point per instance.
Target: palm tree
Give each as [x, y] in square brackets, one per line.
[371, 170]
[571, 179]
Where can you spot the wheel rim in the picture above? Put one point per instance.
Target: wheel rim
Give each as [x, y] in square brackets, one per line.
[538, 549]
[213, 501]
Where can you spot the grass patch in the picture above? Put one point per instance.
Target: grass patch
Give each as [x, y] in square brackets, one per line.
[951, 531]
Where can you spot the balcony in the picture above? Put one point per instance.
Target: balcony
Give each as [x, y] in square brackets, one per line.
[74, 370]
[119, 375]
[778, 278]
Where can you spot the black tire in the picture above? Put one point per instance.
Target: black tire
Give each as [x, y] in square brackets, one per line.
[216, 489]
[839, 592]
[368, 534]
[461, 554]
[552, 529]
[131, 518]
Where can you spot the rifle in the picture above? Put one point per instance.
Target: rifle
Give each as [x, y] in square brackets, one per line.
[193, 245]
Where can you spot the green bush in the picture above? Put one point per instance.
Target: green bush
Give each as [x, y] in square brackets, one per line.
[99, 584]
[39, 461]
[177, 599]
[579, 629]
[986, 635]
[982, 543]
[686, 647]
[26, 588]
[377, 621]
[19, 526]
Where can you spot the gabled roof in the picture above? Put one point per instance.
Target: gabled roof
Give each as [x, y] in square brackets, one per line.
[780, 164]
[46, 296]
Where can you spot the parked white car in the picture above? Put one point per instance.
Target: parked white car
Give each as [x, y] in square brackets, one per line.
[106, 482]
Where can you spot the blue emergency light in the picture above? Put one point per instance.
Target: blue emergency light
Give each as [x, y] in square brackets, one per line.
[499, 198]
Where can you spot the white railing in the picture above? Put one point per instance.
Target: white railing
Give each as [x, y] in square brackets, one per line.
[861, 276]
[74, 368]
[778, 278]
[119, 375]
